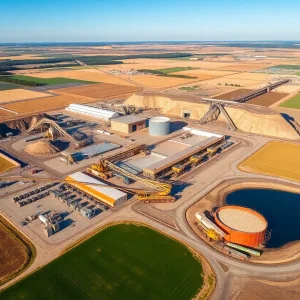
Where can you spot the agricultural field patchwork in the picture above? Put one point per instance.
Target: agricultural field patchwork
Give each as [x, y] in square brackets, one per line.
[85, 75]
[16, 253]
[35, 81]
[175, 69]
[276, 158]
[98, 91]
[45, 104]
[121, 262]
[281, 69]
[292, 103]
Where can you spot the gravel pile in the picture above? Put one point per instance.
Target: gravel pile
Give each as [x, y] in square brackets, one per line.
[241, 220]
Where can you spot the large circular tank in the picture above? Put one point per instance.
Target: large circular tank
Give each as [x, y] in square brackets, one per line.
[159, 126]
[242, 225]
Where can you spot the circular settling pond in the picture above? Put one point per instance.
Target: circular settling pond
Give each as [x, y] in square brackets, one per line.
[281, 209]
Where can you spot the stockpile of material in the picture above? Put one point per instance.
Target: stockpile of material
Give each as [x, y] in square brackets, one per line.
[242, 220]
[41, 148]
[248, 118]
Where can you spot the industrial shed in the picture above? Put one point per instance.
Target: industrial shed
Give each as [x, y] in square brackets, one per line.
[108, 195]
[92, 111]
[128, 124]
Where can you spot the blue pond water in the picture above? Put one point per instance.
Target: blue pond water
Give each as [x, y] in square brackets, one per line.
[281, 209]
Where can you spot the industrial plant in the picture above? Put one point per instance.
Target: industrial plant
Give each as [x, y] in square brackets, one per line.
[194, 149]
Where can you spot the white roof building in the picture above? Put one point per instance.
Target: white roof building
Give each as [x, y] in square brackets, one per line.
[92, 111]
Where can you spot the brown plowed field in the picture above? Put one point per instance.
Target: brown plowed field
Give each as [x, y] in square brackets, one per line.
[15, 253]
[19, 94]
[99, 91]
[263, 100]
[267, 99]
[45, 104]
[5, 115]
[233, 94]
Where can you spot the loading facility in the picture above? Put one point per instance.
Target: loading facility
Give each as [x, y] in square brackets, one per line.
[165, 165]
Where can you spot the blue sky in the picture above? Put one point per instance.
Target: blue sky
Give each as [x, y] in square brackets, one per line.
[132, 20]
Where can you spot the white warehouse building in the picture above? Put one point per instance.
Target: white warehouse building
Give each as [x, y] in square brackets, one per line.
[92, 111]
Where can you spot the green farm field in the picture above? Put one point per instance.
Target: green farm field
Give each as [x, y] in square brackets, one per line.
[121, 262]
[175, 69]
[31, 81]
[8, 86]
[292, 103]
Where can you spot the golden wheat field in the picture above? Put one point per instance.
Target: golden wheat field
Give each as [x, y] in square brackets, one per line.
[98, 91]
[45, 104]
[86, 74]
[276, 158]
[19, 94]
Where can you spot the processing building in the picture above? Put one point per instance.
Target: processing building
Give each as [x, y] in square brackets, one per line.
[96, 188]
[195, 145]
[242, 225]
[92, 111]
[129, 124]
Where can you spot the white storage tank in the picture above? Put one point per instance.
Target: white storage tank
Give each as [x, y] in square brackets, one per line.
[159, 126]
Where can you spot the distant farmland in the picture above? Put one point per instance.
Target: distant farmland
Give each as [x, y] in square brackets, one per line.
[35, 81]
[119, 263]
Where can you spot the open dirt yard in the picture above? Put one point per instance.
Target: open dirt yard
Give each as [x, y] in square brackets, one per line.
[275, 159]
[288, 89]
[152, 81]
[87, 75]
[45, 104]
[228, 81]
[99, 91]
[16, 253]
[19, 94]
[268, 290]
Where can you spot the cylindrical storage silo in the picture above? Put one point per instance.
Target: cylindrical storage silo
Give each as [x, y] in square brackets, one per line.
[159, 126]
[242, 225]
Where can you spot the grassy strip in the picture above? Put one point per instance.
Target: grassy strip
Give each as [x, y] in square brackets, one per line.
[189, 88]
[147, 264]
[292, 103]
[175, 69]
[35, 81]
[159, 73]
[8, 86]
[25, 242]
[287, 67]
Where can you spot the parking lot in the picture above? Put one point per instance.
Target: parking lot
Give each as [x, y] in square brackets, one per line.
[52, 198]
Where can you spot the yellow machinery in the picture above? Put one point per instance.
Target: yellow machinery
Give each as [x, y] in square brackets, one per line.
[161, 192]
[212, 151]
[210, 233]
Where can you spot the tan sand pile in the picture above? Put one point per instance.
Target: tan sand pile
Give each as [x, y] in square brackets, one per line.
[264, 122]
[41, 148]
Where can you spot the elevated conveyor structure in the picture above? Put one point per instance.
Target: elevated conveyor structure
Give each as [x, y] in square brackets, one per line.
[54, 129]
